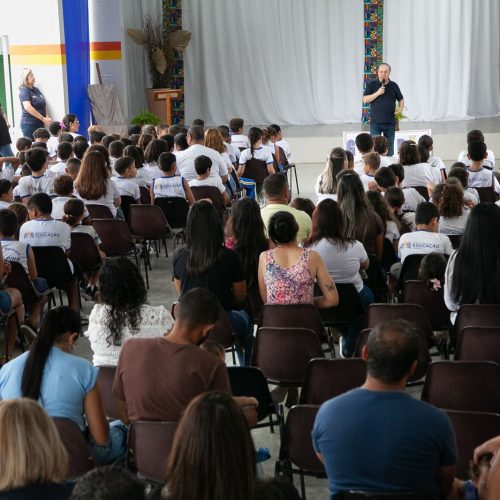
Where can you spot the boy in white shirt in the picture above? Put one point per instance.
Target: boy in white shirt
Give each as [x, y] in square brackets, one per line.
[425, 239]
[41, 135]
[115, 152]
[364, 145]
[380, 146]
[126, 181]
[203, 164]
[55, 131]
[371, 164]
[44, 231]
[479, 176]
[237, 138]
[6, 193]
[489, 159]
[64, 153]
[232, 150]
[73, 168]
[37, 160]
[282, 143]
[63, 187]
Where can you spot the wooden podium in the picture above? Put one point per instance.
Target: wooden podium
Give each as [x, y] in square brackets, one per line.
[167, 95]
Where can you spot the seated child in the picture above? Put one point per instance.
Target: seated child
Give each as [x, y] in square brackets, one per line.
[55, 131]
[390, 221]
[203, 166]
[21, 213]
[115, 152]
[380, 146]
[37, 160]
[237, 138]
[125, 183]
[432, 270]
[63, 187]
[64, 153]
[23, 144]
[6, 193]
[371, 164]
[73, 168]
[18, 251]
[80, 148]
[471, 196]
[304, 204]
[395, 198]
[170, 185]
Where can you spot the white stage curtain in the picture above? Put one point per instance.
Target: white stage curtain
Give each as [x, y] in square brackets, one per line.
[285, 61]
[445, 56]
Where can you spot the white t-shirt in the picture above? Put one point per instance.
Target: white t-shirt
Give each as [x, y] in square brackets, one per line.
[52, 144]
[489, 161]
[46, 233]
[155, 322]
[233, 152]
[343, 264]
[127, 187]
[435, 161]
[143, 178]
[227, 160]
[32, 184]
[385, 161]
[58, 169]
[5, 204]
[423, 242]
[286, 149]
[107, 200]
[454, 225]
[418, 175]
[209, 181]
[7, 172]
[81, 228]
[16, 251]
[392, 231]
[58, 207]
[323, 196]
[412, 199]
[240, 141]
[185, 161]
[483, 178]
[366, 179]
[167, 186]
[152, 170]
[261, 153]
[448, 284]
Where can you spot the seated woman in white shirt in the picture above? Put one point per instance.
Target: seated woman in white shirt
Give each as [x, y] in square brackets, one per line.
[449, 197]
[343, 256]
[426, 146]
[416, 172]
[326, 183]
[473, 271]
[94, 185]
[122, 312]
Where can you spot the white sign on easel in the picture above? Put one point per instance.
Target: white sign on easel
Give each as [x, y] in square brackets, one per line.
[349, 138]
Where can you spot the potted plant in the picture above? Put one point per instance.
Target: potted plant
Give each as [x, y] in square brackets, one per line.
[399, 116]
[145, 118]
[160, 47]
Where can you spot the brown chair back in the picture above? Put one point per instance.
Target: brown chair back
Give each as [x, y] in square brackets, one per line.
[326, 378]
[18, 278]
[423, 191]
[105, 381]
[149, 445]
[478, 343]
[477, 315]
[463, 385]
[212, 193]
[99, 211]
[223, 331]
[148, 222]
[256, 170]
[84, 252]
[486, 194]
[175, 210]
[76, 446]
[282, 354]
[145, 195]
[115, 236]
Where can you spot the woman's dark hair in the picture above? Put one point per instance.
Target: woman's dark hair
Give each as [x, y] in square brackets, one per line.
[451, 203]
[254, 136]
[433, 266]
[204, 238]
[56, 323]
[122, 289]
[180, 140]
[380, 207]
[461, 174]
[424, 154]
[476, 271]
[380, 144]
[73, 211]
[328, 223]
[409, 153]
[154, 149]
[135, 153]
[68, 120]
[104, 151]
[213, 455]
[249, 232]
[282, 228]
[426, 142]
[334, 165]
[304, 205]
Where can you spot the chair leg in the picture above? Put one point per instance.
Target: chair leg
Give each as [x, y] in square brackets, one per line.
[165, 246]
[145, 256]
[296, 179]
[302, 486]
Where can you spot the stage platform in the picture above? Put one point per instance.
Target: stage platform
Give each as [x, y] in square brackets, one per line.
[311, 144]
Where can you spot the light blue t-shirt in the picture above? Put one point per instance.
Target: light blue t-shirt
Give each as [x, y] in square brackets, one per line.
[383, 441]
[66, 381]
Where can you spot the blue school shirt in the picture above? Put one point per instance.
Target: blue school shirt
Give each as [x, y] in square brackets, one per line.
[66, 381]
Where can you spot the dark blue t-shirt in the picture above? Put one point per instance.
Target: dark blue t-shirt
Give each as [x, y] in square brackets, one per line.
[383, 107]
[383, 441]
[37, 101]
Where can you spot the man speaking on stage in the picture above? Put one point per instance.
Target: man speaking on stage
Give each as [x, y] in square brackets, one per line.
[382, 95]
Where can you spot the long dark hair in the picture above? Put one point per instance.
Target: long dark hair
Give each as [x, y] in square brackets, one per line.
[136, 153]
[476, 271]
[121, 287]
[56, 323]
[213, 455]
[249, 233]
[328, 223]
[154, 149]
[204, 238]
[254, 136]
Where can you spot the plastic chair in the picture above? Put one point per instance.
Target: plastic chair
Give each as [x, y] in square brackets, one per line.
[389, 255]
[175, 210]
[213, 194]
[376, 279]
[296, 446]
[463, 385]
[282, 354]
[486, 194]
[116, 238]
[126, 202]
[455, 240]
[145, 195]
[105, 381]
[478, 343]
[295, 316]
[149, 445]
[471, 430]
[148, 223]
[349, 309]
[76, 446]
[99, 211]
[84, 252]
[409, 270]
[327, 378]
[223, 334]
[256, 170]
[477, 315]
[422, 190]
[249, 381]
[253, 302]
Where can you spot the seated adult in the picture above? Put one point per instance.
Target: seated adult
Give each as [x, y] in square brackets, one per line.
[33, 460]
[122, 312]
[64, 384]
[277, 196]
[157, 378]
[388, 440]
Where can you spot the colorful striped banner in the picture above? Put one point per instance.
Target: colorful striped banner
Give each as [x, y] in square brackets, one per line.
[32, 55]
[101, 51]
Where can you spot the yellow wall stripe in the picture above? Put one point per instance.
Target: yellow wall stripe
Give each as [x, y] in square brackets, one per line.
[102, 55]
[35, 59]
